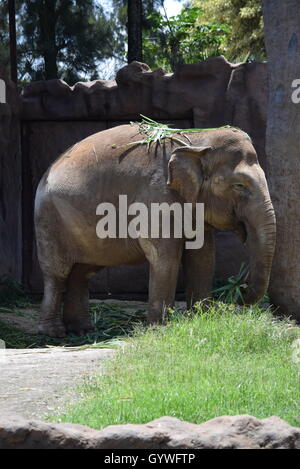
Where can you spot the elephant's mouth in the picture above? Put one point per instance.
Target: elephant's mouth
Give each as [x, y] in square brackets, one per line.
[241, 231]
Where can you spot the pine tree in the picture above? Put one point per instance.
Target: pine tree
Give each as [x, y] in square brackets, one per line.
[60, 38]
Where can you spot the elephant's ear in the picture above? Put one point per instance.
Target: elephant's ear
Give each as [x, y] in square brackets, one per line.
[187, 170]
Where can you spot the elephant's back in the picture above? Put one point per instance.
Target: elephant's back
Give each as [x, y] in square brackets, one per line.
[107, 162]
[111, 146]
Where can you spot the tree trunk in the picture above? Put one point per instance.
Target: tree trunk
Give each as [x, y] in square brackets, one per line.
[282, 31]
[47, 18]
[12, 40]
[135, 30]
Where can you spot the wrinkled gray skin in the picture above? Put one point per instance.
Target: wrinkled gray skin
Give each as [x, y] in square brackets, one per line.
[218, 167]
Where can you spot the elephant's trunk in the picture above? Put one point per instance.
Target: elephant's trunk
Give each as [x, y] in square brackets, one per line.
[261, 238]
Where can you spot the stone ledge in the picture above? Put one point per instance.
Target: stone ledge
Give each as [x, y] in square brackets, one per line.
[228, 432]
[136, 90]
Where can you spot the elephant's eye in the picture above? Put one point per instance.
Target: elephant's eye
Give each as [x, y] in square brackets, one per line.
[238, 186]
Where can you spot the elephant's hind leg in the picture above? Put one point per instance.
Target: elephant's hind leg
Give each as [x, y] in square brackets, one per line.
[76, 314]
[51, 323]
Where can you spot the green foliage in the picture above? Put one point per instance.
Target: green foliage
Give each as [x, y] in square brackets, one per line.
[112, 321]
[61, 38]
[233, 291]
[169, 42]
[245, 19]
[221, 360]
[12, 294]
[157, 132]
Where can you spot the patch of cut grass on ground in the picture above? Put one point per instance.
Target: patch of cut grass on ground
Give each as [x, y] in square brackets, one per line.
[16, 338]
[110, 322]
[216, 361]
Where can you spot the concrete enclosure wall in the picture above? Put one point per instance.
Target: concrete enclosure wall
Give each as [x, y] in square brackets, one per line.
[10, 185]
[54, 116]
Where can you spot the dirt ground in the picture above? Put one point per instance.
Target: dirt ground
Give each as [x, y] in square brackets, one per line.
[37, 382]
[41, 381]
[25, 319]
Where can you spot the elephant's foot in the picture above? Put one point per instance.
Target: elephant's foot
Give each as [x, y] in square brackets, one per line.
[154, 318]
[52, 329]
[78, 326]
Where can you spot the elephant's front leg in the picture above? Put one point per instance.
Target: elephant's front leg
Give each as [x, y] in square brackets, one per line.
[164, 258]
[198, 269]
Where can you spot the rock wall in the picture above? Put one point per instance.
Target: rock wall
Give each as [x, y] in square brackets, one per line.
[206, 94]
[228, 432]
[10, 185]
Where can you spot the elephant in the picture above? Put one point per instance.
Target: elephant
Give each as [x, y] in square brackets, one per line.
[216, 167]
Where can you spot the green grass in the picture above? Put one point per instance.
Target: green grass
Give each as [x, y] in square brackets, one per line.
[110, 320]
[215, 361]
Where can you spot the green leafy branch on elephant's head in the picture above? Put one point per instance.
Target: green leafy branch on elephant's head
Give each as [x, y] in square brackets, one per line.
[156, 132]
